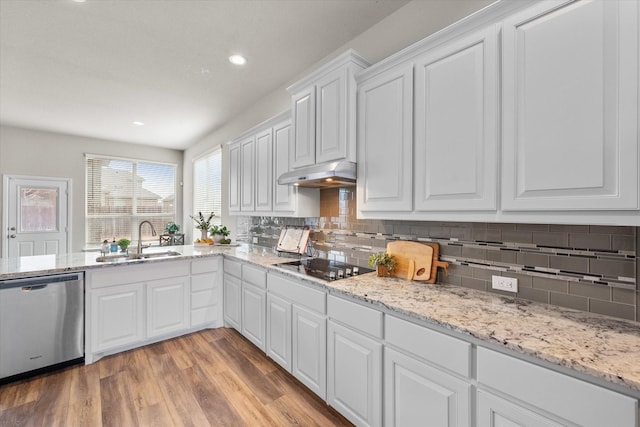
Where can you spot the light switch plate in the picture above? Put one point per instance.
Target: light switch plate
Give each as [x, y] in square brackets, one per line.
[508, 284]
[255, 240]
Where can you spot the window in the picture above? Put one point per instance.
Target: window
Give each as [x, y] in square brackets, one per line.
[207, 185]
[123, 192]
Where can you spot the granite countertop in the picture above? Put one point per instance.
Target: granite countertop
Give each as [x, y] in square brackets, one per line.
[596, 345]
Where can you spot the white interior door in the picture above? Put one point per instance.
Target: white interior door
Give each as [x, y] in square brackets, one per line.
[36, 212]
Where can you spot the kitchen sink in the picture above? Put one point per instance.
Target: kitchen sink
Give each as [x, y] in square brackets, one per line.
[136, 257]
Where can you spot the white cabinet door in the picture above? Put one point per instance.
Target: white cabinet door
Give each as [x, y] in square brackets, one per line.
[417, 394]
[254, 314]
[570, 106]
[167, 306]
[354, 371]
[247, 174]
[264, 170]
[232, 297]
[234, 178]
[117, 316]
[303, 110]
[496, 412]
[309, 349]
[456, 120]
[279, 331]
[331, 117]
[283, 195]
[385, 140]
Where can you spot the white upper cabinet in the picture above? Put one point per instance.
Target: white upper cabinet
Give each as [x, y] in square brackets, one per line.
[256, 159]
[385, 141]
[247, 173]
[323, 112]
[303, 151]
[234, 177]
[264, 170]
[283, 195]
[570, 107]
[456, 120]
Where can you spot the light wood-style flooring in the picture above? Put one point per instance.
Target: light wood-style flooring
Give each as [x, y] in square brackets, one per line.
[210, 378]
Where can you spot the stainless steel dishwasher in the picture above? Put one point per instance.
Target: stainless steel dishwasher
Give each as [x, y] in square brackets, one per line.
[41, 322]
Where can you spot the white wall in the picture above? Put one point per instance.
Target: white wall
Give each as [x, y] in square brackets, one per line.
[413, 22]
[36, 153]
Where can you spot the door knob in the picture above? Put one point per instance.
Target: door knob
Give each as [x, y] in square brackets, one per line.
[12, 229]
[13, 236]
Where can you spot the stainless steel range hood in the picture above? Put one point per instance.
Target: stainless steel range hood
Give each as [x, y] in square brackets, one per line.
[333, 174]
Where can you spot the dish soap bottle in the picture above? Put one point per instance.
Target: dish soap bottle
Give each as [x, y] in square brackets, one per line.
[114, 246]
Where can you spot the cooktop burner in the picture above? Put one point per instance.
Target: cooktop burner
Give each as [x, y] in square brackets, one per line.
[324, 268]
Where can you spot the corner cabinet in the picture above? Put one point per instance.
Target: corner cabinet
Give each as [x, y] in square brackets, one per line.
[256, 160]
[323, 108]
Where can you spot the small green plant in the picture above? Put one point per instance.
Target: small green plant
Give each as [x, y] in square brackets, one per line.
[221, 230]
[171, 228]
[124, 244]
[383, 259]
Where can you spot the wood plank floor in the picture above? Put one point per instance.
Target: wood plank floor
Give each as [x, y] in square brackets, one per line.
[210, 378]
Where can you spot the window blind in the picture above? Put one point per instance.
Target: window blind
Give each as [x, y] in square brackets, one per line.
[207, 185]
[120, 193]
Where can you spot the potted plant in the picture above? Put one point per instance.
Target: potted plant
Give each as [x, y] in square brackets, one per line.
[203, 224]
[124, 244]
[171, 228]
[384, 263]
[219, 234]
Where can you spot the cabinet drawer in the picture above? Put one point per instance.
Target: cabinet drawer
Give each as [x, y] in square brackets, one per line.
[435, 347]
[297, 293]
[136, 273]
[255, 276]
[234, 268]
[207, 265]
[355, 316]
[572, 399]
[204, 315]
[203, 282]
[203, 299]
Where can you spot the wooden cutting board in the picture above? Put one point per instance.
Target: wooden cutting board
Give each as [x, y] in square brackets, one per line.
[414, 259]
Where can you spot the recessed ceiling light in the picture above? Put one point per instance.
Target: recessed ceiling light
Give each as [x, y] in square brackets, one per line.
[138, 123]
[79, 1]
[237, 59]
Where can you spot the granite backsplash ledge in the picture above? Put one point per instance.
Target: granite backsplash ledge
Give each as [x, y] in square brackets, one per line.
[585, 267]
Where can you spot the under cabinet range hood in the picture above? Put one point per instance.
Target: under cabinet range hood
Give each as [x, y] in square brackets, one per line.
[341, 173]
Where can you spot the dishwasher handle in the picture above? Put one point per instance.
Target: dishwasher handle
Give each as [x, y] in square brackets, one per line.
[33, 288]
[40, 280]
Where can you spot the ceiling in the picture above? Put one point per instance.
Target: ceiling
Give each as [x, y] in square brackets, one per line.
[93, 68]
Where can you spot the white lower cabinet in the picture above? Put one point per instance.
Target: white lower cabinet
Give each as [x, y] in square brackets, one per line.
[354, 366]
[117, 316]
[232, 297]
[167, 306]
[132, 305]
[545, 396]
[309, 352]
[354, 361]
[297, 331]
[279, 331]
[253, 314]
[496, 412]
[418, 394]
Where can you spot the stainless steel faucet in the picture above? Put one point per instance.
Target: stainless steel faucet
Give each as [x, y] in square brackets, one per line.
[153, 233]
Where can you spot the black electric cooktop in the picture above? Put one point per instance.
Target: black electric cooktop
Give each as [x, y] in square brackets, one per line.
[323, 268]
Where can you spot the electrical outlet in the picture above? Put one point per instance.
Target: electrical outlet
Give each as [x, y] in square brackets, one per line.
[255, 240]
[508, 284]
